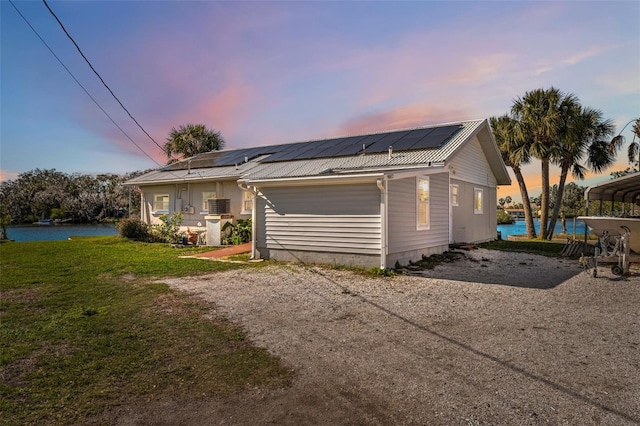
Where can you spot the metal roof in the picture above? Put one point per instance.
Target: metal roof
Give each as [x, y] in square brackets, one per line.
[255, 163]
[626, 189]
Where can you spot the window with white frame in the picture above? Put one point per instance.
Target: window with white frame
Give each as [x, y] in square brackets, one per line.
[206, 196]
[422, 203]
[161, 203]
[477, 200]
[247, 202]
[454, 194]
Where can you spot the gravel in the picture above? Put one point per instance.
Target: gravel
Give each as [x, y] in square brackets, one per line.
[491, 338]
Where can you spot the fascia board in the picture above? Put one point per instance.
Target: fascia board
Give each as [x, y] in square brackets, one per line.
[316, 180]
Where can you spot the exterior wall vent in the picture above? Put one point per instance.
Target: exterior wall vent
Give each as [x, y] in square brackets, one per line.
[219, 206]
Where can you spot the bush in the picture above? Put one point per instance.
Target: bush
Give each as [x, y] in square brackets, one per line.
[133, 229]
[504, 218]
[236, 234]
[169, 230]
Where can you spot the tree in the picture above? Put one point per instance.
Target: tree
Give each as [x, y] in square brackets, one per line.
[584, 136]
[633, 152]
[540, 126]
[191, 139]
[621, 173]
[514, 155]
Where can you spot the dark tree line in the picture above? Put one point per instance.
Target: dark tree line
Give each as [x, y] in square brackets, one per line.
[50, 194]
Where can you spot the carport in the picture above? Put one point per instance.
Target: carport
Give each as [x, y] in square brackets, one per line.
[625, 189]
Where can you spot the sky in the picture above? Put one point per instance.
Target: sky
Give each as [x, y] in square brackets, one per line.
[274, 72]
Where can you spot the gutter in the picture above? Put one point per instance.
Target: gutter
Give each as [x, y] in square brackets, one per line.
[368, 177]
[254, 191]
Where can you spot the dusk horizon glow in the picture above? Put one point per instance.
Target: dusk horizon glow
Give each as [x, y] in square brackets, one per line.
[266, 73]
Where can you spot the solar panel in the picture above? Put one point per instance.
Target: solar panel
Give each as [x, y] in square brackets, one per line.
[437, 137]
[409, 140]
[353, 145]
[403, 140]
[386, 141]
[232, 157]
[295, 153]
[319, 148]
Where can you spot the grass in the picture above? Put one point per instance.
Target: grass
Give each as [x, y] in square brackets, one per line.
[544, 248]
[85, 326]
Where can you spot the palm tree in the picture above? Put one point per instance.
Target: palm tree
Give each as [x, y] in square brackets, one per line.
[514, 156]
[633, 152]
[191, 139]
[585, 135]
[540, 124]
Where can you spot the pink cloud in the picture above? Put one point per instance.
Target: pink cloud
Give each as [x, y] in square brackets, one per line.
[399, 118]
[6, 175]
[223, 111]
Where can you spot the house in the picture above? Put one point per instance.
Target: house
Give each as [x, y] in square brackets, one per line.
[368, 200]
[517, 214]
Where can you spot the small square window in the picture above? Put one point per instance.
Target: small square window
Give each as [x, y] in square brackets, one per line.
[206, 196]
[247, 202]
[161, 202]
[477, 201]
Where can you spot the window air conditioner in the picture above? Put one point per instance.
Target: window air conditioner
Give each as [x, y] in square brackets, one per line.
[219, 206]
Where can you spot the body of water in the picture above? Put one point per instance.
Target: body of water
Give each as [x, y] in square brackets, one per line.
[520, 228]
[58, 232]
[63, 232]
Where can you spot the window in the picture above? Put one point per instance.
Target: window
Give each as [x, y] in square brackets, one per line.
[206, 196]
[247, 202]
[454, 194]
[161, 203]
[477, 200]
[423, 203]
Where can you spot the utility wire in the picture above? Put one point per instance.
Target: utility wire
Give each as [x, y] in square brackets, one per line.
[99, 76]
[80, 84]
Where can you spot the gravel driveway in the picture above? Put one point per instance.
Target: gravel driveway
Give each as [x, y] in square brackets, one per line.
[492, 338]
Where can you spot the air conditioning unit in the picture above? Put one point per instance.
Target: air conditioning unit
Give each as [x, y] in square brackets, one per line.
[219, 206]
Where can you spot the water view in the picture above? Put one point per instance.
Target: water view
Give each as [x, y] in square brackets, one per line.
[519, 228]
[21, 233]
[63, 232]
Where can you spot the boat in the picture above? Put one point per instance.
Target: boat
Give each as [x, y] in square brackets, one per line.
[44, 222]
[615, 226]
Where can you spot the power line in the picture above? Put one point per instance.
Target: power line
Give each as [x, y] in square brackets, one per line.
[80, 84]
[97, 74]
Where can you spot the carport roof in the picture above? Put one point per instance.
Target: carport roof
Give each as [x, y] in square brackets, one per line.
[626, 189]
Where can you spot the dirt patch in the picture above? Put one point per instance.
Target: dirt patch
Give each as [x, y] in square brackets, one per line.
[493, 338]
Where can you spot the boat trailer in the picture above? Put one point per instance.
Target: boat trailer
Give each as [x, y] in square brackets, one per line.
[610, 249]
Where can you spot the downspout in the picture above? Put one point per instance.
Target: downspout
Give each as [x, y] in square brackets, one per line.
[254, 252]
[451, 206]
[144, 210]
[382, 183]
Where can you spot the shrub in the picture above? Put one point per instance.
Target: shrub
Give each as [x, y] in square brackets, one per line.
[169, 230]
[133, 229]
[237, 234]
[504, 218]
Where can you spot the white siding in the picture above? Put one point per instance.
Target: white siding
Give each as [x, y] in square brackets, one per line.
[469, 227]
[403, 234]
[471, 165]
[337, 219]
[184, 195]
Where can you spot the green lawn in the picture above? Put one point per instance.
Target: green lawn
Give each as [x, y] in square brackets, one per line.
[544, 248]
[83, 327]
